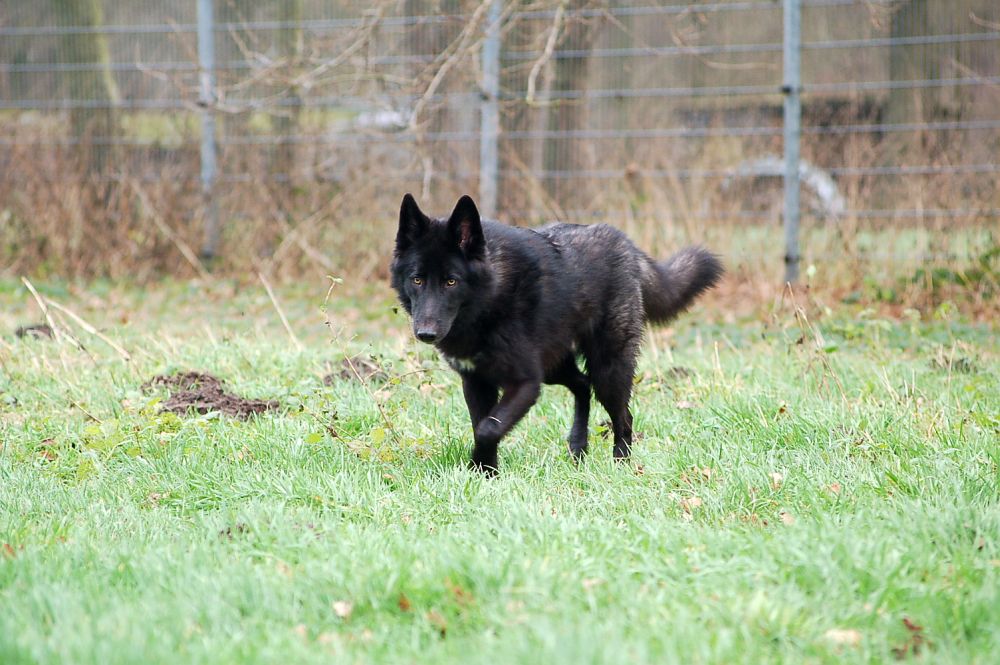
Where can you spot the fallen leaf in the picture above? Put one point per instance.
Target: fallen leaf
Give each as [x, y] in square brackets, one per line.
[786, 517]
[404, 603]
[301, 631]
[847, 636]
[343, 608]
[914, 643]
[706, 473]
[462, 596]
[834, 488]
[438, 621]
[47, 451]
[9, 551]
[690, 503]
[776, 480]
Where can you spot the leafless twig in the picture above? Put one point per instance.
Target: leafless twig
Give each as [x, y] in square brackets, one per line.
[165, 229]
[125, 355]
[550, 46]
[281, 313]
[354, 370]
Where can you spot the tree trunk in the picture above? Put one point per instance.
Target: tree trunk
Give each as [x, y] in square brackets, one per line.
[911, 62]
[94, 128]
[290, 46]
[569, 113]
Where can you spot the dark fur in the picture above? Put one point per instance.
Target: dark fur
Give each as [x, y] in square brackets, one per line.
[524, 303]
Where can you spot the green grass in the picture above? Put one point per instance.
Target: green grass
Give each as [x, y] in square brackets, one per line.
[779, 491]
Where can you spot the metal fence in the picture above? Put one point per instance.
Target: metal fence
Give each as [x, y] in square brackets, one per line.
[658, 116]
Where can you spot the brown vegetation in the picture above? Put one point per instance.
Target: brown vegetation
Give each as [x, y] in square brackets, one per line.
[311, 174]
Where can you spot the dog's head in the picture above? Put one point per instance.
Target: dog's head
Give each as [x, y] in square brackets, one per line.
[438, 265]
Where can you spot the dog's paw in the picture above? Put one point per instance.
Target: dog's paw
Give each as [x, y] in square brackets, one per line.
[487, 467]
[577, 453]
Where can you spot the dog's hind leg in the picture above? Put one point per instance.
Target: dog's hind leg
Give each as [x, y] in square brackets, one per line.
[569, 375]
[613, 390]
[611, 365]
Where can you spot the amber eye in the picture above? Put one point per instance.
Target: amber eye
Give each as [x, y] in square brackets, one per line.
[451, 282]
[418, 281]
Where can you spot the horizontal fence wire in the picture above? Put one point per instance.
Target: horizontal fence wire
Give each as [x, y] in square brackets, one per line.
[602, 105]
[623, 52]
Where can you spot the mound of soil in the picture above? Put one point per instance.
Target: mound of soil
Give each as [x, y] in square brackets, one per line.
[366, 367]
[182, 381]
[35, 331]
[202, 393]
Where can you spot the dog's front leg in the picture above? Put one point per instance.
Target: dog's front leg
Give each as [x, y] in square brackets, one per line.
[516, 401]
[480, 397]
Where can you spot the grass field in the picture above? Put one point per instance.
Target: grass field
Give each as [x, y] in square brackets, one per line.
[818, 488]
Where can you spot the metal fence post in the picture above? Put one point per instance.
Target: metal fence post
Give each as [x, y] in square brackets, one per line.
[206, 100]
[489, 137]
[791, 88]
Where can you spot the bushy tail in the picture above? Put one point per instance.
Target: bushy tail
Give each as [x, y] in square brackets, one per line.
[672, 285]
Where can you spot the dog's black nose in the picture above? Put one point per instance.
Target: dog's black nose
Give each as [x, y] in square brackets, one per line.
[426, 336]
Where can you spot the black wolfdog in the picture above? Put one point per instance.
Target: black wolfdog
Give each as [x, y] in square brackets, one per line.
[512, 308]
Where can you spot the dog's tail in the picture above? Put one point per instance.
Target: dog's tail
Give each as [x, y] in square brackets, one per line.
[670, 286]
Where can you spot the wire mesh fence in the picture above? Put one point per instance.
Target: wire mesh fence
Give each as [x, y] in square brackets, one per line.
[662, 117]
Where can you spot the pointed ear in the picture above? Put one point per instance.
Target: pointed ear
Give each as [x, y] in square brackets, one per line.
[412, 223]
[466, 229]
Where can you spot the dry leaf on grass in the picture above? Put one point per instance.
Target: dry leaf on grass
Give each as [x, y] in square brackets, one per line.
[787, 518]
[690, 503]
[914, 644]
[462, 596]
[776, 480]
[846, 636]
[343, 608]
[438, 621]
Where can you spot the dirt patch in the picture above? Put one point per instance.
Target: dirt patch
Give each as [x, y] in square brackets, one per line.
[34, 331]
[367, 368]
[182, 381]
[203, 393]
[961, 365]
[234, 531]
